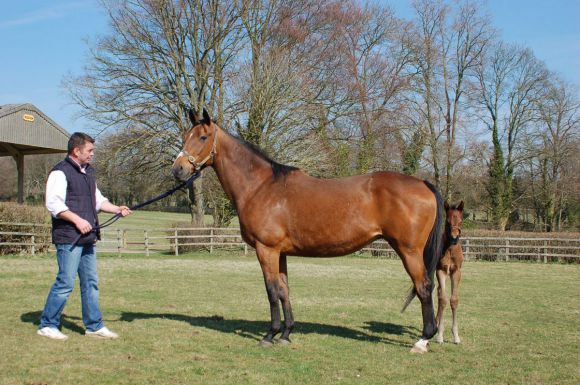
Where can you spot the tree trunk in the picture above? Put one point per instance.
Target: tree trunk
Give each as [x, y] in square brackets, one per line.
[196, 202]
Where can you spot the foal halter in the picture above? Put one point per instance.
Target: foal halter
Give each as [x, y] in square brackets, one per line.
[192, 159]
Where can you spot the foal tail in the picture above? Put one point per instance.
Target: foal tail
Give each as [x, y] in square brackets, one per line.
[433, 248]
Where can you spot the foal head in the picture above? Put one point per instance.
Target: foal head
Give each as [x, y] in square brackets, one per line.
[199, 147]
[454, 214]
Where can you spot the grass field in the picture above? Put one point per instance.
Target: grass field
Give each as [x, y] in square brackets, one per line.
[198, 319]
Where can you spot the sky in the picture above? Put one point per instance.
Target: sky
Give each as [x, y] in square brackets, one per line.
[44, 41]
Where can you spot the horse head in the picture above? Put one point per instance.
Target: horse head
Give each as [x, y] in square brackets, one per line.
[199, 147]
[454, 214]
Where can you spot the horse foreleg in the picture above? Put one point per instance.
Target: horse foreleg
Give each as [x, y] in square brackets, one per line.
[269, 262]
[285, 299]
[455, 278]
[442, 302]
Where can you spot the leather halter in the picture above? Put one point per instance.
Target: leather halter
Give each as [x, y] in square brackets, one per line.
[192, 159]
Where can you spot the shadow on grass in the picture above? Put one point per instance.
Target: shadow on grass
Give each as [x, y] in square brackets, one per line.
[67, 322]
[257, 329]
[392, 329]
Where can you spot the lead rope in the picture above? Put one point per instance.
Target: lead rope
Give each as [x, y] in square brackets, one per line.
[117, 216]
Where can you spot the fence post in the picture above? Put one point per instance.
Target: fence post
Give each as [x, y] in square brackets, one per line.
[176, 245]
[467, 249]
[33, 246]
[119, 240]
[545, 251]
[211, 240]
[507, 250]
[146, 244]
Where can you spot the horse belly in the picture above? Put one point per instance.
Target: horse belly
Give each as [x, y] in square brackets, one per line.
[451, 260]
[335, 237]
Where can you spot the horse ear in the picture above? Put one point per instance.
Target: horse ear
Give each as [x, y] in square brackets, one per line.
[206, 117]
[192, 116]
[446, 205]
[460, 206]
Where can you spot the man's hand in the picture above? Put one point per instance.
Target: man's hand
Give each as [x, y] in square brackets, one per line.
[83, 226]
[124, 211]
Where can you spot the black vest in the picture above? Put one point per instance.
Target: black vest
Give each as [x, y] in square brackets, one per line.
[80, 199]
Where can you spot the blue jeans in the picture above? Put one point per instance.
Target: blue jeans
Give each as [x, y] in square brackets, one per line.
[82, 260]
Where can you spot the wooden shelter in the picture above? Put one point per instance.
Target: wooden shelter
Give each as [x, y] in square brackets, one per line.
[25, 130]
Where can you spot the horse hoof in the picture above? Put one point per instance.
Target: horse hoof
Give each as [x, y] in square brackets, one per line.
[419, 350]
[440, 340]
[284, 341]
[420, 347]
[265, 343]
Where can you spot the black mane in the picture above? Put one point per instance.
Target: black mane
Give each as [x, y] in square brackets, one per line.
[278, 169]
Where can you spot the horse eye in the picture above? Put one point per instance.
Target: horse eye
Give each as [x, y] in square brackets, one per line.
[203, 138]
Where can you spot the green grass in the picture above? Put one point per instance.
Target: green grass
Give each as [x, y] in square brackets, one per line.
[198, 319]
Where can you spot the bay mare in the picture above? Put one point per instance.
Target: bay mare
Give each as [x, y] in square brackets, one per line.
[283, 211]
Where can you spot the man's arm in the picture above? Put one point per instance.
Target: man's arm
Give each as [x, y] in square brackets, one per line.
[103, 204]
[108, 207]
[81, 224]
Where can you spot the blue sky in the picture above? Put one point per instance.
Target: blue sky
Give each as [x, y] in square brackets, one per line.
[43, 41]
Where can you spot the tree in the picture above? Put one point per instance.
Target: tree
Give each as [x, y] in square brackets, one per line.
[161, 59]
[556, 141]
[449, 42]
[510, 84]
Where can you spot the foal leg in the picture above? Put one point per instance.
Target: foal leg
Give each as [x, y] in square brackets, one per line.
[285, 299]
[442, 302]
[269, 262]
[455, 278]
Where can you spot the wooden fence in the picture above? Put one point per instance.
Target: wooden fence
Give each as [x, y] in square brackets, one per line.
[32, 238]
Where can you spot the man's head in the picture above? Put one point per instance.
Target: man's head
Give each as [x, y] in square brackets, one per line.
[81, 148]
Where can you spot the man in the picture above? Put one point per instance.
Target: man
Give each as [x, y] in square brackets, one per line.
[73, 199]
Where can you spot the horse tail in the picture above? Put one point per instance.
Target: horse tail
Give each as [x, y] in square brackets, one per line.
[434, 247]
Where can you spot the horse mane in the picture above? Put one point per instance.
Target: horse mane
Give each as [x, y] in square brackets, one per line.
[278, 169]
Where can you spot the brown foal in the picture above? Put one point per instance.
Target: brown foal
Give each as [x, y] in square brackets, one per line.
[283, 211]
[450, 265]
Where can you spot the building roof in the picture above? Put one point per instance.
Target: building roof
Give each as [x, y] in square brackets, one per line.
[27, 130]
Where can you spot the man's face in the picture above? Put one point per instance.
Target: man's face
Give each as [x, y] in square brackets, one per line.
[85, 153]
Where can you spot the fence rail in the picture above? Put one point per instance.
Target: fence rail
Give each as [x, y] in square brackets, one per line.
[34, 238]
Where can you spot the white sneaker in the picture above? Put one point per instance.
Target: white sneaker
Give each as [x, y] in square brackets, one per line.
[103, 332]
[52, 333]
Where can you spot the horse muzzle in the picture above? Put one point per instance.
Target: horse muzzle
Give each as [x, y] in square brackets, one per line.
[182, 169]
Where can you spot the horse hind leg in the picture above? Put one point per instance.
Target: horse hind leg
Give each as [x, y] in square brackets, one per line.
[285, 300]
[413, 262]
[442, 302]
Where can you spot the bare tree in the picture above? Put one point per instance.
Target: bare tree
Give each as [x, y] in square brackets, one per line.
[511, 81]
[556, 140]
[427, 47]
[161, 59]
[449, 41]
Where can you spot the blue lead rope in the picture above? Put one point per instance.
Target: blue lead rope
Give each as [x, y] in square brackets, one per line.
[117, 216]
